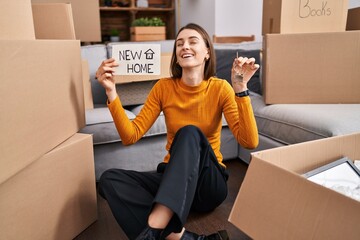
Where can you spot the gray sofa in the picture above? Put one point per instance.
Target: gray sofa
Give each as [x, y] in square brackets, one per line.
[278, 124]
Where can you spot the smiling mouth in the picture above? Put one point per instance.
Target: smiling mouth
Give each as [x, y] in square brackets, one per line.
[187, 55]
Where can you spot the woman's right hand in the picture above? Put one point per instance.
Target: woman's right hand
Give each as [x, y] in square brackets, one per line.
[105, 77]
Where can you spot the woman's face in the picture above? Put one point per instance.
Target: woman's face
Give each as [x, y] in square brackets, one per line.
[191, 50]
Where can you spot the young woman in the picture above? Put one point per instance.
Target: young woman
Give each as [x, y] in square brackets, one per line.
[192, 176]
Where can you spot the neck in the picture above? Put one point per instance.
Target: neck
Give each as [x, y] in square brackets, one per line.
[192, 78]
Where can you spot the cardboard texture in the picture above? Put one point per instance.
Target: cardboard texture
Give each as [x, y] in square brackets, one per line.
[276, 202]
[88, 99]
[165, 72]
[54, 197]
[43, 101]
[86, 18]
[353, 19]
[53, 21]
[312, 68]
[304, 16]
[16, 20]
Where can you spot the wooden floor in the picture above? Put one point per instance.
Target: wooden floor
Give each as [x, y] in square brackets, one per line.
[106, 227]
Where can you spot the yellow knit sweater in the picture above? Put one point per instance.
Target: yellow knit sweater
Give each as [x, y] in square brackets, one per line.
[201, 106]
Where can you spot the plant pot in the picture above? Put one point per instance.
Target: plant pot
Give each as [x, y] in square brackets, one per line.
[114, 39]
[148, 33]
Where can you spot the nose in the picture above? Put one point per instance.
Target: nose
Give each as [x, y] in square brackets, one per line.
[186, 45]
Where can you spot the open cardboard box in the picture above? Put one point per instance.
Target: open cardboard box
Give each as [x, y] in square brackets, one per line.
[276, 202]
[289, 16]
[312, 68]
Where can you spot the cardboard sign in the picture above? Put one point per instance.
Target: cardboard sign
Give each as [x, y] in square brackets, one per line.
[137, 59]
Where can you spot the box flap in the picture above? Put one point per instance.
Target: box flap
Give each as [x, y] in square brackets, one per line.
[277, 204]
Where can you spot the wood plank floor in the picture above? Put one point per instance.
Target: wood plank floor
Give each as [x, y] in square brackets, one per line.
[106, 228]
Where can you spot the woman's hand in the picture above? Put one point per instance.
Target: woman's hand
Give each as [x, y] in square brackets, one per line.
[104, 75]
[242, 71]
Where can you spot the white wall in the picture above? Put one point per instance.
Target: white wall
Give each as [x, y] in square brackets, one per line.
[226, 17]
[196, 11]
[238, 18]
[222, 17]
[354, 3]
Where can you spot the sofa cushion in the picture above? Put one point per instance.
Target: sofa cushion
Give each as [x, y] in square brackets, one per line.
[99, 122]
[296, 123]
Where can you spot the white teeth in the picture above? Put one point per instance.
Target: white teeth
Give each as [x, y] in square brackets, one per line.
[187, 55]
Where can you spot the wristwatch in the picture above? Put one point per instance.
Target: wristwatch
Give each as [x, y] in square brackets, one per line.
[242, 94]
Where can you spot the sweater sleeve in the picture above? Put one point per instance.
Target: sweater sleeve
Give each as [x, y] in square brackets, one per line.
[131, 131]
[240, 117]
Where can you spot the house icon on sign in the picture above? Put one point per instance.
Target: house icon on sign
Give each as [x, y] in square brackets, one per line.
[149, 54]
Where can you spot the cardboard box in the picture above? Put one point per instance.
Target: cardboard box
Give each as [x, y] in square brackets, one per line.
[165, 72]
[54, 197]
[312, 68]
[86, 15]
[304, 16]
[53, 21]
[353, 19]
[88, 99]
[42, 99]
[16, 20]
[276, 202]
[147, 33]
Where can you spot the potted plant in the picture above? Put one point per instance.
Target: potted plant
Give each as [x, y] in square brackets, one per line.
[148, 29]
[114, 35]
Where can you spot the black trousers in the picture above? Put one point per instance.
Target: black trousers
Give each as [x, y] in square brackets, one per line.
[192, 180]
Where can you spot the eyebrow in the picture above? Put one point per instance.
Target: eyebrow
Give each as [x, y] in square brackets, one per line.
[192, 37]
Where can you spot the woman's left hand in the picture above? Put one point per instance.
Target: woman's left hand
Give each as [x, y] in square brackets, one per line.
[242, 71]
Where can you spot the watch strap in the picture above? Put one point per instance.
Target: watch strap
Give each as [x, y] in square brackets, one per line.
[243, 93]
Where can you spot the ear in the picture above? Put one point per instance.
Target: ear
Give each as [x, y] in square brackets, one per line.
[207, 55]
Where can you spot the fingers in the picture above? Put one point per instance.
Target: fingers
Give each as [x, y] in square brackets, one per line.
[245, 63]
[106, 69]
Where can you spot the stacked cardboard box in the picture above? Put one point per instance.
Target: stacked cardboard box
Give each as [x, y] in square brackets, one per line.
[47, 183]
[86, 18]
[308, 55]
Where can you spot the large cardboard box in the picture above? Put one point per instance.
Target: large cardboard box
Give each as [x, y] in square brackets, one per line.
[312, 68]
[42, 99]
[86, 18]
[54, 197]
[353, 19]
[53, 21]
[16, 20]
[276, 202]
[303, 16]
